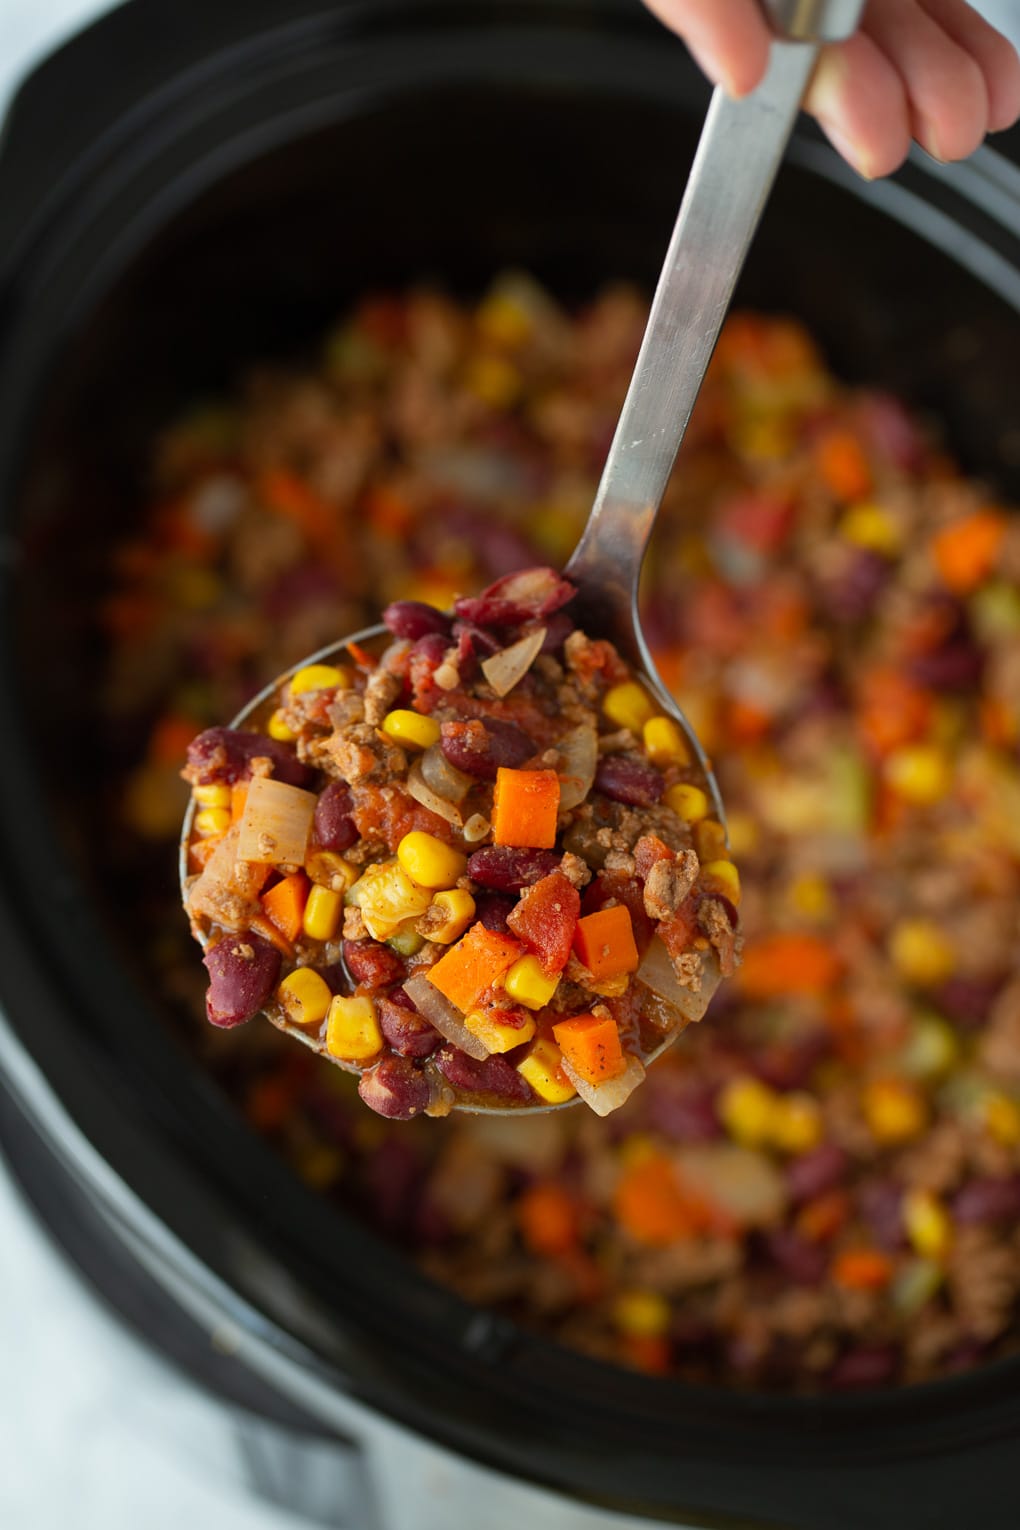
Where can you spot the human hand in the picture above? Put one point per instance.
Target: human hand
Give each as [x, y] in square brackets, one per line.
[932, 70]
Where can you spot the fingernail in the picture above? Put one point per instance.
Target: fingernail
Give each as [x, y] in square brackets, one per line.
[851, 152]
[716, 70]
[927, 136]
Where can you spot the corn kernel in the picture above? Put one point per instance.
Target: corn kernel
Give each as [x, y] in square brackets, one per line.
[665, 743]
[503, 319]
[635, 1149]
[320, 1166]
[921, 952]
[494, 1035]
[543, 1070]
[447, 916]
[928, 1224]
[304, 996]
[410, 729]
[1002, 1118]
[722, 877]
[797, 1123]
[429, 862]
[212, 821]
[868, 525]
[747, 1109]
[628, 706]
[528, 984]
[894, 1109]
[919, 773]
[319, 677]
[327, 869]
[352, 1030]
[743, 828]
[688, 802]
[932, 1049]
[215, 795]
[322, 912]
[710, 840]
[494, 380]
[810, 895]
[278, 728]
[915, 1285]
[386, 897]
[642, 1314]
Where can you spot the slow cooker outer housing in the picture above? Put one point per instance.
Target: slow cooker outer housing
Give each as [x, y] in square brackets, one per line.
[184, 188]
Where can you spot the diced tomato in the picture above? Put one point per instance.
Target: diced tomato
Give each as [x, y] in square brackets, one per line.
[545, 919]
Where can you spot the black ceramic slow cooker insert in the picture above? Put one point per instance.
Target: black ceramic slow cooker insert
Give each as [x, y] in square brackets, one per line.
[185, 188]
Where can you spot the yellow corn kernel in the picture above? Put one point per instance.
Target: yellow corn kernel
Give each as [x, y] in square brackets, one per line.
[448, 916]
[1002, 1118]
[322, 912]
[528, 984]
[215, 795]
[710, 840]
[932, 1049]
[319, 677]
[543, 1070]
[641, 1314]
[810, 895]
[429, 862]
[747, 1109]
[635, 1149]
[327, 869]
[410, 729]
[797, 1123]
[743, 828]
[665, 743]
[278, 728]
[352, 1031]
[919, 773]
[921, 952]
[212, 821]
[386, 897]
[894, 1109]
[304, 996]
[494, 380]
[928, 1224]
[869, 526]
[688, 802]
[320, 1166]
[504, 320]
[628, 706]
[722, 877]
[493, 1035]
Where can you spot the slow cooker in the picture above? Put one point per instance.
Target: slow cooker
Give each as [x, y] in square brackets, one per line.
[217, 183]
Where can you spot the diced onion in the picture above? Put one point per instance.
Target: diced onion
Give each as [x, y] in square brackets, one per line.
[423, 793]
[610, 1095]
[476, 828]
[443, 778]
[580, 751]
[740, 1180]
[510, 665]
[448, 1021]
[276, 823]
[657, 973]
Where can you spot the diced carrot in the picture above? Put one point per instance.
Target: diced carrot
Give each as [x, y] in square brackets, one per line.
[843, 466]
[548, 1219]
[777, 965]
[591, 1045]
[1000, 726]
[651, 1205]
[388, 512]
[238, 798]
[891, 710]
[169, 739]
[821, 1219]
[268, 1102]
[862, 1269]
[649, 1352]
[285, 903]
[744, 723]
[545, 919]
[604, 942]
[472, 965]
[290, 497]
[524, 808]
[965, 551]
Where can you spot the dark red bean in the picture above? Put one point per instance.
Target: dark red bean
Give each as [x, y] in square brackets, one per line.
[493, 1076]
[957, 666]
[413, 619]
[298, 588]
[987, 1200]
[480, 746]
[867, 1366]
[968, 1000]
[425, 658]
[625, 778]
[493, 910]
[392, 1177]
[225, 754]
[519, 597]
[682, 1111]
[243, 971]
[402, 1026]
[373, 964]
[814, 1173]
[333, 828]
[394, 1088]
[789, 1065]
[506, 869]
[557, 629]
[474, 642]
[881, 1205]
[850, 594]
[802, 1262]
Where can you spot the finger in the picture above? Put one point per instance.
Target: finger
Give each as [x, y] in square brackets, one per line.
[994, 54]
[861, 105]
[945, 87]
[728, 38]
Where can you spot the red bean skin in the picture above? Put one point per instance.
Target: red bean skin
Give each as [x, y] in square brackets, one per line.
[493, 1076]
[503, 868]
[373, 964]
[987, 1200]
[333, 828]
[239, 984]
[804, 1263]
[519, 597]
[864, 1367]
[225, 755]
[403, 1028]
[479, 747]
[494, 910]
[814, 1173]
[394, 1088]
[413, 619]
[625, 778]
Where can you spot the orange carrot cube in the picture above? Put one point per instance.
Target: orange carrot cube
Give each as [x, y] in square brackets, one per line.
[524, 808]
[604, 942]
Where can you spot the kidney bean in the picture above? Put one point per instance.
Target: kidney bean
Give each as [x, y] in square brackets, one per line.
[413, 619]
[968, 1000]
[987, 1200]
[405, 1030]
[394, 1088]
[480, 746]
[624, 778]
[881, 1206]
[866, 1366]
[493, 910]
[681, 1111]
[956, 666]
[373, 964]
[851, 594]
[804, 1263]
[243, 971]
[333, 828]
[519, 597]
[296, 588]
[425, 658]
[474, 642]
[504, 868]
[493, 1076]
[225, 754]
[393, 1174]
[789, 1065]
[814, 1173]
